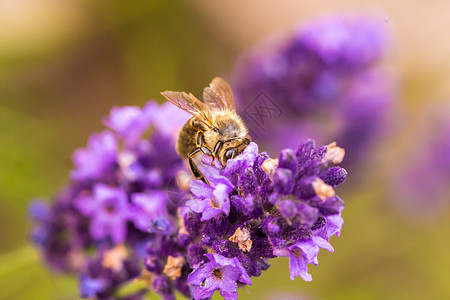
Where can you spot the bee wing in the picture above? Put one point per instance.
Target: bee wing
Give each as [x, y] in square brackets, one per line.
[192, 105]
[219, 95]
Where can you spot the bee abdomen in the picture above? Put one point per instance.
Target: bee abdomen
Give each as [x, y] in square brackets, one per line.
[187, 138]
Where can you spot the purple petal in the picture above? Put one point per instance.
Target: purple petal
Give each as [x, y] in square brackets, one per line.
[251, 149]
[107, 195]
[283, 180]
[100, 153]
[230, 274]
[281, 252]
[244, 278]
[308, 248]
[243, 160]
[221, 192]
[197, 205]
[40, 211]
[118, 231]
[200, 189]
[207, 290]
[153, 202]
[322, 243]
[89, 287]
[221, 260]
[225, 207]
[86, 204]
[332, 227]
[128, 121]
[229, 295]
[197, 276]
[298, 267]
[147, 208]
[169, 118]
[210, 212]
[97, 229]
[102, 191]
[221, 180]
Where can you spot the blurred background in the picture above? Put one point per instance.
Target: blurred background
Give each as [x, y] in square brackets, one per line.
[64, 64]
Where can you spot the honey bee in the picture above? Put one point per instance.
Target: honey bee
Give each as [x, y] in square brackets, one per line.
[215, 129]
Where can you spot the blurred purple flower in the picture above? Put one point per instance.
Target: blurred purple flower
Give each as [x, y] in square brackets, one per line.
[326, 70]
[109, 211]
[165, 113]
[130, 122]
[94, 161]
[89, 287]
[118, 197]
[148, 207]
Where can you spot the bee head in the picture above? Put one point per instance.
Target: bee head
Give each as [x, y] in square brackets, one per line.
[229, 125]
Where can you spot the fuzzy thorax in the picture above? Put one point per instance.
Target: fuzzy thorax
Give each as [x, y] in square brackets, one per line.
[229, 126]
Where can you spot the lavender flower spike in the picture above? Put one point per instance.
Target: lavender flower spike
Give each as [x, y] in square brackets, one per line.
[328, 69]
[116, 203]
[278, 207]
[123, 217]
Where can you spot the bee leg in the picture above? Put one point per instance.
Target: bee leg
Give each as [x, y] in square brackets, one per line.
[205, 150]
[197, 173]
[216, 151]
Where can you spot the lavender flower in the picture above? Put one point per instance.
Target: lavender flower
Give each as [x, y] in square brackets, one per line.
[130, 122]
[278, 207]
[211, 200]
[303, 253]
[108, 209]
[148, 208]
[117, 201]
[219, 273]
[255, 209]
[323, 82]
[124, 216]
[94, 161]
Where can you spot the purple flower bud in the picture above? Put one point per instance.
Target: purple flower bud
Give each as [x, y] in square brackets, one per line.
[40, 211]
[307, 215]
[287, 160]
[271, 225]
[283, 180]
[288, 208]
[334, 176]
[154, 264]
[162, 286]
[195, 255]
[90, 287]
